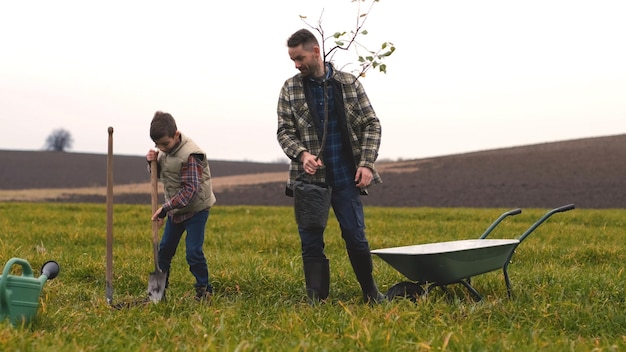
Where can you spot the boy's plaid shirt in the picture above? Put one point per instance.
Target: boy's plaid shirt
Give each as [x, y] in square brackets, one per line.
[190, 179]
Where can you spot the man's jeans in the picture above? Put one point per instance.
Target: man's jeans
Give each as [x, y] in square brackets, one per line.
[348, 209]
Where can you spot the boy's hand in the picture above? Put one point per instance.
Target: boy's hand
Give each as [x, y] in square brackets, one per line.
[152, 155]
[156, 217]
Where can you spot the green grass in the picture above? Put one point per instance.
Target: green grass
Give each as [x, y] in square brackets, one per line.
[567, 278]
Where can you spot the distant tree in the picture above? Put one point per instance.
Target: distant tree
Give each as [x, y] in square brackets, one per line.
[59, 140]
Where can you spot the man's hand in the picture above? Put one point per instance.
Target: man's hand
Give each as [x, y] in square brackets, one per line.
[363, 177]
[310, 163]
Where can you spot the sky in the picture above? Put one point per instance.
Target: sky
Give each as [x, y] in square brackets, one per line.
[466, 75]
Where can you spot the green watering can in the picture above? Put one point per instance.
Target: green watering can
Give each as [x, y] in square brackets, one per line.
[19, 295]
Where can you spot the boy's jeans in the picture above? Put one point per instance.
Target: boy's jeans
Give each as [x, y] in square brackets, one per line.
[194, 241]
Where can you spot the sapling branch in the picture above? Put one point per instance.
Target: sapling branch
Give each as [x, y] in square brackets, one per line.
[344, 41]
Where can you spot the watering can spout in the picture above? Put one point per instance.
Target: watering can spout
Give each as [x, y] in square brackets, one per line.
[49, 270]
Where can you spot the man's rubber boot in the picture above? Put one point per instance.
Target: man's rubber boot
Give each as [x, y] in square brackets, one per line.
[317, 278]
[363, 267]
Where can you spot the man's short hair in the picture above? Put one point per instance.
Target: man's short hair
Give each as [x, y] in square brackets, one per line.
[302, 37]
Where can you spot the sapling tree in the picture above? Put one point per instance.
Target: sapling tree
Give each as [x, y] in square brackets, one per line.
[346, 41]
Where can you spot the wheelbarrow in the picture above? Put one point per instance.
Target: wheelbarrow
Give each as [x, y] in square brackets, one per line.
[455, 262]
[19, 295]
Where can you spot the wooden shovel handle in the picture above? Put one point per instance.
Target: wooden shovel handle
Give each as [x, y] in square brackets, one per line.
[154, 189]
[154, 185]
[109, 206]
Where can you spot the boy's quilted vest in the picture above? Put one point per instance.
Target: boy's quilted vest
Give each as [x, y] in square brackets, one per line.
[171, 165]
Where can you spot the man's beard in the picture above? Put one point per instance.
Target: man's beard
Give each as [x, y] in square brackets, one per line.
[312, 71]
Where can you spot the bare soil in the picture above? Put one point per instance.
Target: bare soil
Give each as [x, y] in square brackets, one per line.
[590, 173]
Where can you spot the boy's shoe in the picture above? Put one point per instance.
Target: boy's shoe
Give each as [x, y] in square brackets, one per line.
[202, 294]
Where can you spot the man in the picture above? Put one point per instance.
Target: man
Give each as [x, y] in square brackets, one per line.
[346, 162]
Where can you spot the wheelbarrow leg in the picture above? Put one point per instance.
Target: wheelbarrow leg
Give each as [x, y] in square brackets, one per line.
[443, 288]
[447, 292]
[428, 288]
[507, 281]
[472, 290]
[475, 295]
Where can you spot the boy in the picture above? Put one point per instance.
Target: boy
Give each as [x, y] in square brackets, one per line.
[183, 169]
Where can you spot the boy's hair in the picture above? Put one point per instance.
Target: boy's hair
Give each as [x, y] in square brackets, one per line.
[162, 125]
[304, 37]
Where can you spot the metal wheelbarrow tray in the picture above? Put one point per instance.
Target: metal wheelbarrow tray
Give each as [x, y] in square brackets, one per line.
[455, 262]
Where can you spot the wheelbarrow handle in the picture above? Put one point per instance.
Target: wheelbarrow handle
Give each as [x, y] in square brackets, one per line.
[498, 220]
[544, 218]
[564, 208]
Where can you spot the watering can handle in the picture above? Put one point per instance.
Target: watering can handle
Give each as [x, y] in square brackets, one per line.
[26, 271]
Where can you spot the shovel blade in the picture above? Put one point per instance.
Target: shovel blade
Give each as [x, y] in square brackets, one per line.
[156, 286]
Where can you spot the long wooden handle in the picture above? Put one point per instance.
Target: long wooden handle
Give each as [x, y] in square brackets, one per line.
[109, 203]
[154, 190]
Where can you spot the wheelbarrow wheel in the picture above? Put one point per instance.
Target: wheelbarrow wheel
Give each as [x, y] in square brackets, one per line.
[405, 289]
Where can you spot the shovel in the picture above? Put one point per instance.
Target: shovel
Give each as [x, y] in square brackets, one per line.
[157, 279]
[109, 202]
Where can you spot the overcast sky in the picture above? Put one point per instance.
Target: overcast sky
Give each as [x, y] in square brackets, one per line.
[466, 75]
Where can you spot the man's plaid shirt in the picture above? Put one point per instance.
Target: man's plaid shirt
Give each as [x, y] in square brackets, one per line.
[339, 168]
[297, 132]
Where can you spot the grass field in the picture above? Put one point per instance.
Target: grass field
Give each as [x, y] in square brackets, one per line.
[567, 278]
